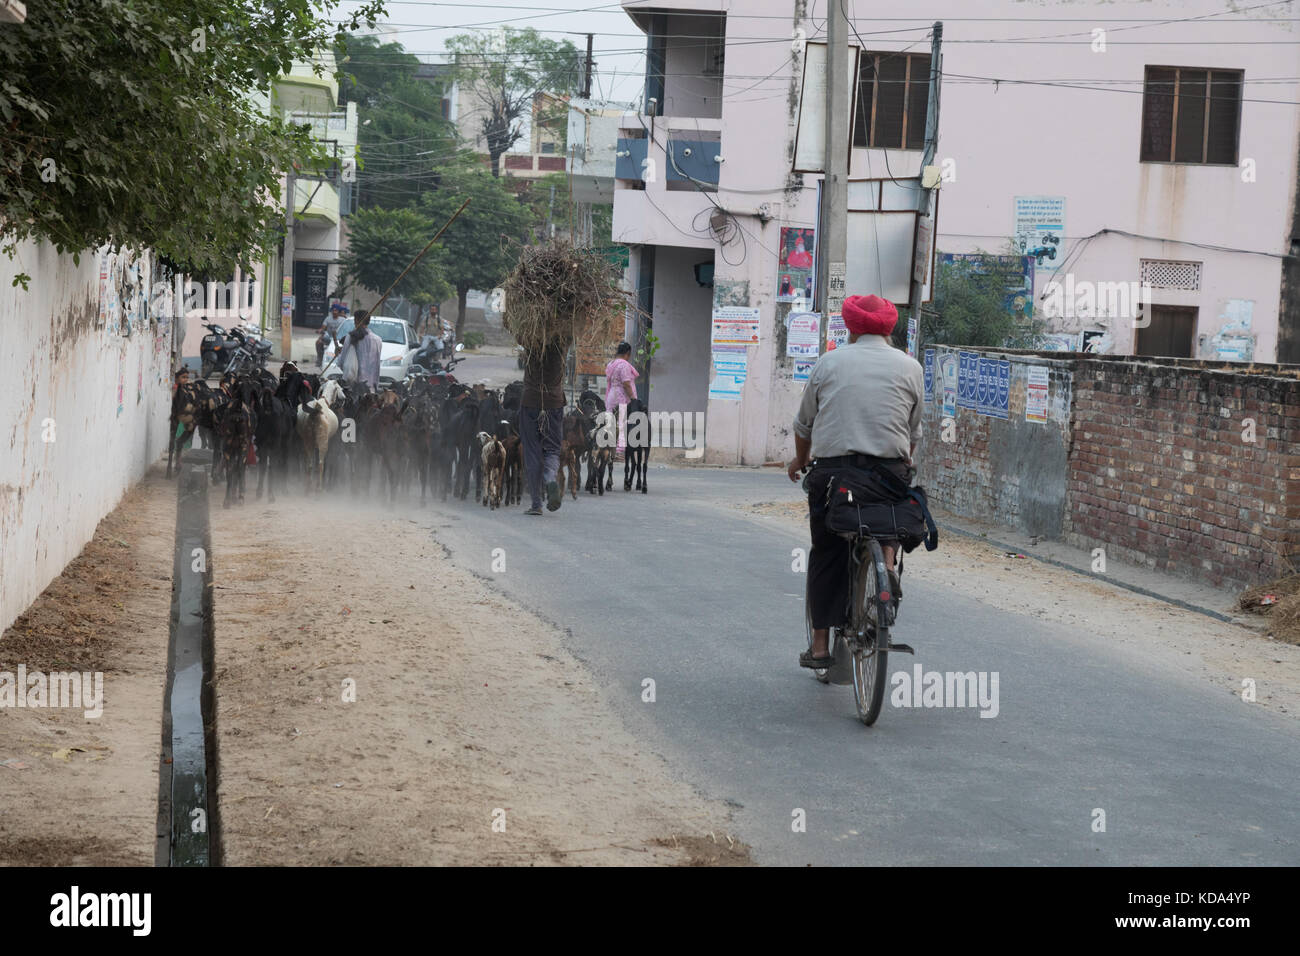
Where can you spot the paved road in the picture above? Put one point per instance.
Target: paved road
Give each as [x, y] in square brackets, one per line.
[677, 587]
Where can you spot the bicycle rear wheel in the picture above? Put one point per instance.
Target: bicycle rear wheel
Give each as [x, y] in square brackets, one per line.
[870, 637]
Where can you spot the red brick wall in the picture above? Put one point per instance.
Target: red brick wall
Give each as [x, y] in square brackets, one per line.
[1159, 473]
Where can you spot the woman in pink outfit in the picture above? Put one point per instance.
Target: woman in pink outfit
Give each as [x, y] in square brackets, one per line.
[619, 390]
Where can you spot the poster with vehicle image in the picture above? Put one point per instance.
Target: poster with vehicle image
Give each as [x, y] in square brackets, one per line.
[1039, 228]
[796, 265]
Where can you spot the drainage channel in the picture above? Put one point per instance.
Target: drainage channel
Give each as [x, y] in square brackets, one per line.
[187, 819]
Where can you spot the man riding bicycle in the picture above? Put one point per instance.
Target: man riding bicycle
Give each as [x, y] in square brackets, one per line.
[861, 408]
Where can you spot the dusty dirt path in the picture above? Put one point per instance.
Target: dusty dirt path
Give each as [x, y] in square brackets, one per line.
[1221, 653]
[468, 711]
[78, 791]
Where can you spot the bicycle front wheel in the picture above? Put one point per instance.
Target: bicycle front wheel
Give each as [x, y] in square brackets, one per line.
[869, 669]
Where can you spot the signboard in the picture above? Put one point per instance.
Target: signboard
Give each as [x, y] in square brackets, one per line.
[1015, 272]
[921, 258]
[802, 339]
[796, 265]
[880, 252]
[1039, 227]
[735, 325]
[1036, 390]
[810, 136]
[928, 366]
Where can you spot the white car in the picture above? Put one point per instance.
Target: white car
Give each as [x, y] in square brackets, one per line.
[400, 345]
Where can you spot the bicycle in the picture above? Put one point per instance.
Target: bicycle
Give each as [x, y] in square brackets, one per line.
[871, 609]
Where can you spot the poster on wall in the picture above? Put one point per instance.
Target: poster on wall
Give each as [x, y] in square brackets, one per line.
[967, 383]
[735, 325]
[730, 368]
[1039, 227]
[803, 370]
[795, 264]
[928, 367]
[1036, 395]
[948, 370]
[837, 333]
[803, 335]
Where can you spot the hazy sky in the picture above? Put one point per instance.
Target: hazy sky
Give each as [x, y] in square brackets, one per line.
[423, 26]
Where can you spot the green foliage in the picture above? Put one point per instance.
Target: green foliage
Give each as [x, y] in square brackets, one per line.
[480, 248]
[473, 340]
[381, 242]
[132, 122]
[651, 346]
[503, 70]
[403, 136]
[970, 308]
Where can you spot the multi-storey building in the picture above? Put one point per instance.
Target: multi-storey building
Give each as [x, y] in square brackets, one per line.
[1140, 155]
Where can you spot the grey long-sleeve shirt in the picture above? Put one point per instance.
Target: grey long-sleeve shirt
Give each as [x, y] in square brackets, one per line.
[865, 398]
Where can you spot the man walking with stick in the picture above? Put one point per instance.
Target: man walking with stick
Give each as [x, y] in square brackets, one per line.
[541, 420]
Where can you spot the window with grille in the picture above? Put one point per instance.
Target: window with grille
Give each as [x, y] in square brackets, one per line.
[893, 94]
[1171, 274]
[1191, 115]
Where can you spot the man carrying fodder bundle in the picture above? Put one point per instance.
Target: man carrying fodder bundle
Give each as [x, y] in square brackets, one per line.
[555, 296]
[541, 419]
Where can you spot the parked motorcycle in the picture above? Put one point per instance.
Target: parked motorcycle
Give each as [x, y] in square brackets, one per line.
[233, 350]
[426, 364]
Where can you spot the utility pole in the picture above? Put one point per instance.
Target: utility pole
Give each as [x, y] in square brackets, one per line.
[286, 267]
[833, 242]
[586, 82]
[923, 192]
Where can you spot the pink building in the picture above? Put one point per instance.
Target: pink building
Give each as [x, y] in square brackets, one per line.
[1146, 168]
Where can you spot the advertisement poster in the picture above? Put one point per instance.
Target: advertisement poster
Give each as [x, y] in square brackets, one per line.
[1060, 342]
[1039, 227]
[948, 368]
[730, 367]
[1036, 395]
[837, 333]
[967, 383]
[928, 366]
[803, 371]
[911, 337]
[795, 269]
[803, 335]
[735, 325]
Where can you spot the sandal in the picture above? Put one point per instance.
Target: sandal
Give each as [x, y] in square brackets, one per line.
[816, 663]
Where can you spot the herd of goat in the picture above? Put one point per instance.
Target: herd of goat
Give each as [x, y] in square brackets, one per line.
[444, 433]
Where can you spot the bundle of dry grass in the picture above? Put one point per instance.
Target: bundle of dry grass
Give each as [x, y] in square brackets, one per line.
[558, 292]
[1279, 600]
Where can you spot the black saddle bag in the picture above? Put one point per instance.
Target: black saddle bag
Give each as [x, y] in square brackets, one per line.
[875, 502]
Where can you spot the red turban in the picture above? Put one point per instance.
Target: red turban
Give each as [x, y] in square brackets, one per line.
[869, 315]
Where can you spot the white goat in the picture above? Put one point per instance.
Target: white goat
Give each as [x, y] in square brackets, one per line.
[317, 424]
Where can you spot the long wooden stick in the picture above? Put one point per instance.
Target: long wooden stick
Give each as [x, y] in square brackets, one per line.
[411, 265]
